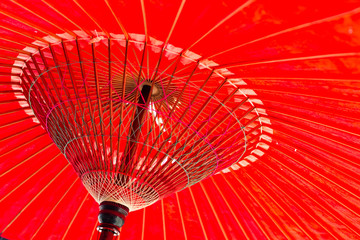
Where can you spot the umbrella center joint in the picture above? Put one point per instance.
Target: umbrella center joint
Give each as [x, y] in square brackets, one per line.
[155, 91]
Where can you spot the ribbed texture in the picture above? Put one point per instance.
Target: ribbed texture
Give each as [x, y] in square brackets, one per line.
[300, 58]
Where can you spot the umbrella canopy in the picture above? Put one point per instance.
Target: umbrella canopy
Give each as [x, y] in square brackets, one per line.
[296, 62]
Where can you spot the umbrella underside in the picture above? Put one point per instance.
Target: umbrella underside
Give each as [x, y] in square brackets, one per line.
[273, 89]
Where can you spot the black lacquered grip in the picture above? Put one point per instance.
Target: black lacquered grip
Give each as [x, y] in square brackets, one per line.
[112, 216]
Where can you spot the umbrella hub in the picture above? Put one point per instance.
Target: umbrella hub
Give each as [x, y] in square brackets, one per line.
[156, 91]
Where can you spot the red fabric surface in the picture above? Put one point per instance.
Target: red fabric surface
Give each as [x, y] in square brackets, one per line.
[300, 57]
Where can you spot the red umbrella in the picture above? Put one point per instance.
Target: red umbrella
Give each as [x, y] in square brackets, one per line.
[295, 64]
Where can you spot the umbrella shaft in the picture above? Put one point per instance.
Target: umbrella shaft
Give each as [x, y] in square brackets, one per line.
[137, 122]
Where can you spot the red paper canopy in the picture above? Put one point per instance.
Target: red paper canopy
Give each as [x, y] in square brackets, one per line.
[298, 63]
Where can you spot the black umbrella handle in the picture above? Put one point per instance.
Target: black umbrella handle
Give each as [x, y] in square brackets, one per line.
[111, 218]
